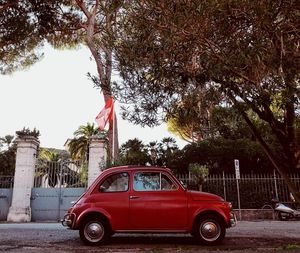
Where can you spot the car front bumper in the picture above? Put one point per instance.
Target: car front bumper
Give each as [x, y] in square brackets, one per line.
[233, 219]
[68, 220]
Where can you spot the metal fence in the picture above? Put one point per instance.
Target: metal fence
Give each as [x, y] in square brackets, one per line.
[6, 181]
[61, 174]
[255, 190]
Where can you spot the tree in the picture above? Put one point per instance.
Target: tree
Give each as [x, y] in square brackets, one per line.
[218, 155]
[25, 25]
[50, 156]
[98, 21]
[247, 50]
[200, 173]
[168, 151]
[191, 118]
[8, 156]
[7, 140]
[222, 121]
[134, 152]
[28, 24]
[79, 145]
[16, 26]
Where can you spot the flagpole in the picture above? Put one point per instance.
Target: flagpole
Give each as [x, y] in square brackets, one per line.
[113, 135]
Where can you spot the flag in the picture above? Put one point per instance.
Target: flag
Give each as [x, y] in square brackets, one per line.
[106, 114]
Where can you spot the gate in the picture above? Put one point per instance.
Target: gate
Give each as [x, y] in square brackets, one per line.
[6, 184]
[56, 185]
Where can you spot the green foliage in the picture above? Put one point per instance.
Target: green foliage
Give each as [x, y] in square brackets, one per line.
[218, 155]
[79, 145]
[220, 121]
[200, 173]
[191, 119]
[7, 155]
[83, 174]
[7, 141]
[24, 27]
[27, 132]
[8, 161]
[163, 153]
[48, 155]
[291, 247]
[246, 50]
[134, 152]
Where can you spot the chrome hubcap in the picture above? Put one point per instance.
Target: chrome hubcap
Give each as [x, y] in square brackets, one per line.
[210, 231]
[94, 231]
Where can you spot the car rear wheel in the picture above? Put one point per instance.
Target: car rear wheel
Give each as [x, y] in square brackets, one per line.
[209, 230]
[94, 231]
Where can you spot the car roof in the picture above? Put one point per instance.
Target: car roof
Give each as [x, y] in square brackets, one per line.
[135, 167]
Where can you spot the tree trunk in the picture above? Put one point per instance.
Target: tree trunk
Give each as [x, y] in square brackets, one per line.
[293, 189]
[104, 67]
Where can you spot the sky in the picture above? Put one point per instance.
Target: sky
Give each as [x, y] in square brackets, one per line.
[56, 96]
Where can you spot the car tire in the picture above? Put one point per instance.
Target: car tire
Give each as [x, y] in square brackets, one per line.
[209, 230]
[94, 231]
[284, 217]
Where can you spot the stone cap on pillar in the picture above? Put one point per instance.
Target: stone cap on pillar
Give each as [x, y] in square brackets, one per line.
[28, 141]
[96, 140]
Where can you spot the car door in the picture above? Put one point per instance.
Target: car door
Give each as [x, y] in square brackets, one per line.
[113, 197]
[157, 202]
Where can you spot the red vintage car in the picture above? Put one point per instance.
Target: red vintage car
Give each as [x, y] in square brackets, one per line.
[147, 199]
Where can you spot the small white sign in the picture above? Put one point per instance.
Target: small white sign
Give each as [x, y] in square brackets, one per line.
[237, 169]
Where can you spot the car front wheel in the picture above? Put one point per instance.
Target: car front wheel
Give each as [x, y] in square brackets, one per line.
[94, 231]
[209, 230]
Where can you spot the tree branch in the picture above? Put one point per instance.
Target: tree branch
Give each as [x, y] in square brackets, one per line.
[83, 7]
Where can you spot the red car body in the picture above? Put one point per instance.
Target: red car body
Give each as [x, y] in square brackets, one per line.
[147, 199]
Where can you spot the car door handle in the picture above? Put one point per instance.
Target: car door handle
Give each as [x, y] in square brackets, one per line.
[133, 197]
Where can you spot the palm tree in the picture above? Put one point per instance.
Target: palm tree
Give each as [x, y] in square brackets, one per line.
[50, 156]
[169, 143]
[133, 152]
[47, 166]
[79, 145]
[153, 148]
[52, 166]
[7, 140]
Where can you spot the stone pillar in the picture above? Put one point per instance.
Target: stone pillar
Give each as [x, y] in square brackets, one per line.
[20, 210]
[97, 158]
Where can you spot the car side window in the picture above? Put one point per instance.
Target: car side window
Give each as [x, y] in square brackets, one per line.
[115, 183]
[152, 181]
[167, 184]
[146, 181]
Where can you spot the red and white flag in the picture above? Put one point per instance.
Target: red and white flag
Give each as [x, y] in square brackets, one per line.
[106, 114]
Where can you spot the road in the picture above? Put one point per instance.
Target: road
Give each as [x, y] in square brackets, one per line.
[261, 236]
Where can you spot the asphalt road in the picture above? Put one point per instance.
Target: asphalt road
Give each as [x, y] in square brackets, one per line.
[261, 236]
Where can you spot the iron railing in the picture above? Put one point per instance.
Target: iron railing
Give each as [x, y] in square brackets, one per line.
[6, 181]
[255, 190]
[61, 174]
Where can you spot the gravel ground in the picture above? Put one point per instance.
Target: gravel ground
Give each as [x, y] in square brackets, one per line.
[262, 236]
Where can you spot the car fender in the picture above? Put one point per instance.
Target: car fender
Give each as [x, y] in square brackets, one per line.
[90, 210]
[213, 209]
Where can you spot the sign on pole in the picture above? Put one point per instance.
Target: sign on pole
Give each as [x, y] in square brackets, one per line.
[237, 169]
[238, 177]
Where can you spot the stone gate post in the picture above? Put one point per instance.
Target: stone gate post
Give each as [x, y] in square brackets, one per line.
[97, 158]
[20, 210]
